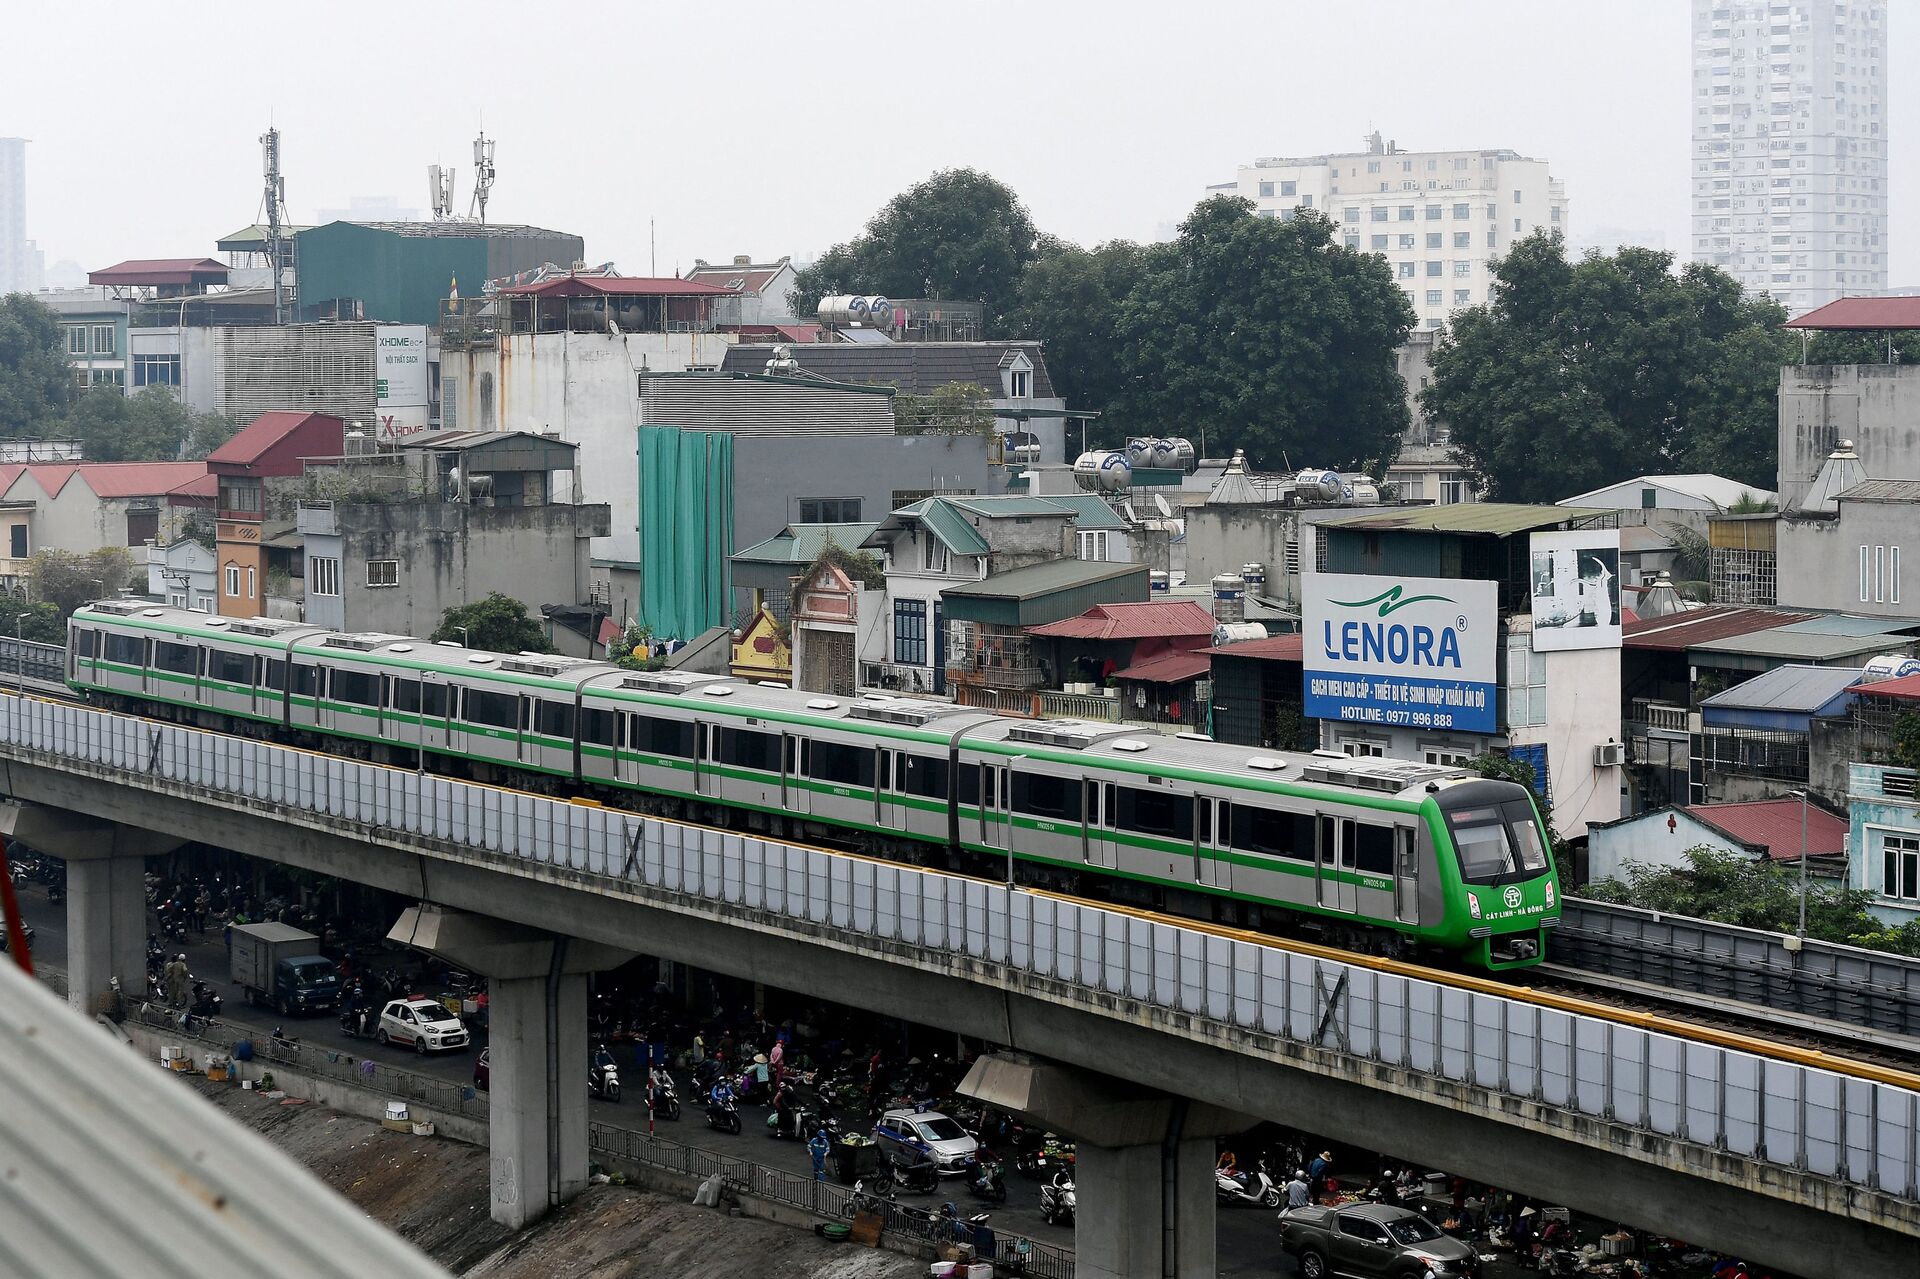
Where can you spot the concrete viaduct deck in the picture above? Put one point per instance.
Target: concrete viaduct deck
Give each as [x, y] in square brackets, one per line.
[1766, 1151]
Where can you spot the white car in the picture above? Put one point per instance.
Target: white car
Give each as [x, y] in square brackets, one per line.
[423, 1023]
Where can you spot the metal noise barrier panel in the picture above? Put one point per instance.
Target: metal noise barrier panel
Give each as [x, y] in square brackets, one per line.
[1831, 1125]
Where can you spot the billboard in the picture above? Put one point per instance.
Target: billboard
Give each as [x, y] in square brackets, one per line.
[1414, 652]
[1576, 589]
[402, 385]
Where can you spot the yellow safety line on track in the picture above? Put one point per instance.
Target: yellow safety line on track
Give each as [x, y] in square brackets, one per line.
[1812, 1057]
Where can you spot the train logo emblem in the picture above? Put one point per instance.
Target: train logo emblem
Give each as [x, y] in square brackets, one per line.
[1511, 897]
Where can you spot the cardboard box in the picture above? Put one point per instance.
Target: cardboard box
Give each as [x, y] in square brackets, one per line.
[181, 1064]
[397, 1110]
[396, 1125]
[218, 1074]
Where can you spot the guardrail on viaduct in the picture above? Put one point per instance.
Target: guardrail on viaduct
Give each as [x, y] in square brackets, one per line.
[1854, 1130]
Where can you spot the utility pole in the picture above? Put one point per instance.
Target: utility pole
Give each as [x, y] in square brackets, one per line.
[482, 176]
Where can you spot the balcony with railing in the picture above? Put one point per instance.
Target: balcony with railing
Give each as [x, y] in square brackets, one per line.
[896, 677]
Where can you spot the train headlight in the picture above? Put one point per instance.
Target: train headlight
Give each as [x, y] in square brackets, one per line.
[1473, 905]
[1549, 892]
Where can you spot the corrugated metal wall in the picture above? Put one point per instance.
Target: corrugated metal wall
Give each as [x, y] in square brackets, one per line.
[307, 368]
[745, 406]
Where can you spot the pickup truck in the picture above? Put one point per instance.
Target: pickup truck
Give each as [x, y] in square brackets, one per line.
[280, 965]
[1372, 1241]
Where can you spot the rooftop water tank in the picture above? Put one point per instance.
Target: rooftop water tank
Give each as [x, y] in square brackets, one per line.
[1889, 666]
[1102, 472]
[1237, 633]
[1229, 598]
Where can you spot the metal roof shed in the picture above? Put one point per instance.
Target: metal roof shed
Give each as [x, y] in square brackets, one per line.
[1782, 645]
[1783, 700]
[1044, 593]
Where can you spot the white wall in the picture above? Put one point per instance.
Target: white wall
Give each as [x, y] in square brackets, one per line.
[1583, 711]
[1647, 839]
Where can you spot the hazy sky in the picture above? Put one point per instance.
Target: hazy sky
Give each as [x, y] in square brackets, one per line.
[762, 129]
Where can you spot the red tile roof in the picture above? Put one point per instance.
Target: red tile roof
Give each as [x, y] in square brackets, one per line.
[109, 479]
[1169, 668]
[256, 438]
[1774, 825]
[1275, 648]
[1906, 688]
[162, 271]
[577, 286]
[1862, 313]
[1678, 631]
[1152, 619]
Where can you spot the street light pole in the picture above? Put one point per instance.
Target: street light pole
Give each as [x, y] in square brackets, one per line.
[20, 653]
[1803, 866]
[463, 636]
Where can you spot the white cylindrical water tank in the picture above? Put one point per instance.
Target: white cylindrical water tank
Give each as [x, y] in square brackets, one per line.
[1158, 582]
[1889, 666]
[1102, 472]
[1237, 633]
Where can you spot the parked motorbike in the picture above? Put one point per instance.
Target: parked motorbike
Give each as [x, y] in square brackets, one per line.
[960, 1229]
[796, 1123]
[1057, 1201]
[723, 1116]
[1255, 1188]
[989, 1181]
[603, 1076]
[907, 1179]
[205, 1002]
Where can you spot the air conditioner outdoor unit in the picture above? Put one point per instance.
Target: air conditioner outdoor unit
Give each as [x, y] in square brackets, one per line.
[1609, 755]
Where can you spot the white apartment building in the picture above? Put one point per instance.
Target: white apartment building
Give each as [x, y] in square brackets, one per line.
[1438, 217]
[19, 271]
[1790, 145]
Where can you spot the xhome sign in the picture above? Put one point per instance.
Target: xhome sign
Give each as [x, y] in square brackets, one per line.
[1409, 652]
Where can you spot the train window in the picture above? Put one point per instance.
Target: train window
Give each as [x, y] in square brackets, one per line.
[496, 710]
[305, 681]
[1045, 796]
[967, 784]
[923, 775]
[406, 696]
[1373, 849]
[1271, 834]
[1526, 836]
[433, 700]
[127, 650]
[83, 641]
[229, 668]
[1153, 812]
[841, 763]
[989, 772]
[886, 768]
[358, 688]
[179, 659]
[555, 719]
[1203, 820]
[275, 677]
[661, 736]
[745, 749]
[597, 727]
[1336, 843]
[1093, 802]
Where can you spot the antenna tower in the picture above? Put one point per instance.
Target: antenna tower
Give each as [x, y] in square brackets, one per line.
[482, 175]
[440, 186]
[275, 201]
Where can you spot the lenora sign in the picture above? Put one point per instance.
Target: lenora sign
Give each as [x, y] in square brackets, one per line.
[1414, 652]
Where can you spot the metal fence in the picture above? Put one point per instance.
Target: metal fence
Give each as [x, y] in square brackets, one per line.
[1868, 988]
[1830, 1124]
[24, 662]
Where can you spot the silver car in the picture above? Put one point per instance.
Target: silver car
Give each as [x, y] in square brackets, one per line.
[908, 1138]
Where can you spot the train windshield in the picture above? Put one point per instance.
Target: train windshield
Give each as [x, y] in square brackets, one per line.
[1497, 842]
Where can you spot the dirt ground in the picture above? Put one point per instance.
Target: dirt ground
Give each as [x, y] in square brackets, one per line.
[433, 1192]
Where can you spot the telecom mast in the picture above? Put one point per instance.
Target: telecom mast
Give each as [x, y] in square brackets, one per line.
[440, 186]
[482, 175]
[275, 201]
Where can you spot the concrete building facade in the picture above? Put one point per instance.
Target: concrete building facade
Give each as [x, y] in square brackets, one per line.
[1790, 146]
[19, 265]
[1877, 406]
[1438, 217]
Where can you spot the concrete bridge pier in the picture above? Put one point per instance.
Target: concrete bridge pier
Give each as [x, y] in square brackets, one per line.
[537, 1034]
[106, 896]
[1143, 1163]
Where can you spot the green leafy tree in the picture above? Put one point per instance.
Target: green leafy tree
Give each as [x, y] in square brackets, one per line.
[960, 235]
[1905, 732]
[1579, 374]
[957, 408]
[1071, 298]
[634, 650]
[111, 426]
[67, 579]
[496, 624]
[1862, 348]
[1737, 888]
[207, 432]
[35, 382]
[1270, 333]
[41, 623]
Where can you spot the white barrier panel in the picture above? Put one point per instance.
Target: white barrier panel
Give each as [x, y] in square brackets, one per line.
[1832, 1125]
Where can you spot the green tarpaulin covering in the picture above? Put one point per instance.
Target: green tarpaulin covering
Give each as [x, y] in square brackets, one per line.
[686, 529]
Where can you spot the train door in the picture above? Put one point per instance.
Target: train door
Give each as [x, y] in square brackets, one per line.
[1336, 868]
[887, 811]
[996, 822]
[796, 765]
[322, 688]
[437, 731]
[1406, 879]
[1209, 870]
[1098, 807]
[706, 772]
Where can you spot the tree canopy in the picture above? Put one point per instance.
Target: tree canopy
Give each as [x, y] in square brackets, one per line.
[960, 235]
[1754, 893]
[1581, 373]
[496, 624]
[68, 579]
[35, 383]
[149, 426]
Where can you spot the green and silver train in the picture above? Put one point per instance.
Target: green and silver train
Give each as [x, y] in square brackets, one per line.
[1383, 855]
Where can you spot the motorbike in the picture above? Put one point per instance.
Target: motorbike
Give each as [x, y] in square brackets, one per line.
[988, 1182]
[911, 1179]
[723, 1116]
[796, 1123]
[205, 1002]
[1057, 1201]
[358, 1022]
[960, 1229]
[666, 1098]
[1049, 1157]
[603, 1076]
[1247, 1188]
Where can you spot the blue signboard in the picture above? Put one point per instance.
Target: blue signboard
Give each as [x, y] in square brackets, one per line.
[1401, 652]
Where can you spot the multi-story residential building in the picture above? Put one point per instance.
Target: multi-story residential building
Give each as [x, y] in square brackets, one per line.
[1790, 145]
[1438, 217]
[19, 266]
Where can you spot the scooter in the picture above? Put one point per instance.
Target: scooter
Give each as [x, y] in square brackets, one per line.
[666, 1098]
[205, 1002]
[1248, 1188]
[1057, 1201]
[723, 1116]
[358, 1022]
[603, 1076]
[797, 1124]
[988, 1182]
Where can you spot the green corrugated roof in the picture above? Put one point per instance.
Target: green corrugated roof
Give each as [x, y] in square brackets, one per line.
[1011, 506]
[1042, 579]
[1465, 517]
[945, 522]
[1089, 512]
[801, 543]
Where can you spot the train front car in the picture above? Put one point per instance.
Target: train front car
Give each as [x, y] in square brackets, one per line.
[1503, 897]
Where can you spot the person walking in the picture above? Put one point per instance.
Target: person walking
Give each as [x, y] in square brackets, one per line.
[817, 1147]
[176, 979]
